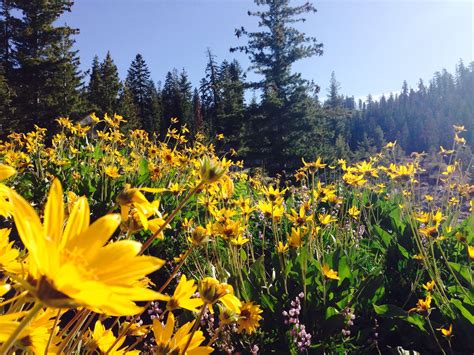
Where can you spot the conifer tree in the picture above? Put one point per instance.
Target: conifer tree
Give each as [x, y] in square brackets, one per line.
[109, 87]
[94, 88]
[272, 52]
[4, 102]
[45, 74]
[143, 92]
[128, 109]
[197, 112]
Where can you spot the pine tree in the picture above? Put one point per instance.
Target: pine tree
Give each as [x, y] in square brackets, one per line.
[94, 88]
[334, 100]
[142, 89]
[109, 87]
[170, 101]
[4, 102]
[176, 100]
[45, 74]
[197, 112]
[128, 109]
[185, 99]
[272, 52]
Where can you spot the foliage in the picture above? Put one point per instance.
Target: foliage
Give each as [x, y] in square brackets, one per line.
[346, 258]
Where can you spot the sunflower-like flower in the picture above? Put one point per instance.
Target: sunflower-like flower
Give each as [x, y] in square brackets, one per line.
[249, 317]
[182, 296]
[8, 254]
[102, 339]
[212, 291]
[167, 343]
[70, 263]
[329, 273]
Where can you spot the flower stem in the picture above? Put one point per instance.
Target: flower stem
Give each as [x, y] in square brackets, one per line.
[24, 323]
[170, 217]
[195, 326]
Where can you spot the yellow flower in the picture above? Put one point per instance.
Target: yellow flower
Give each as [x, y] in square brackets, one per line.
[275, 195]
[34, 337]
[314, 166]
[447, 332]
[445, 152]
[103, 339]
[282, 248]
[70, 262]
[299, 219]
[211, 170]
[429, 286]
[212, 291]
[428, 198]
[182, 296]
[354, 212]
[249, 317]
[294, 240]
[470, 252]
[270, 210]
[8, 254]
[167, 343]
[112, 171]
[329, 273]
[6, 171]
[131, 199]
[239, 240]
[423, 306]
[326, 218]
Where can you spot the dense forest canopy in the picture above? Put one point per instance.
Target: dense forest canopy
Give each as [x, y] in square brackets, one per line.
[287, 119]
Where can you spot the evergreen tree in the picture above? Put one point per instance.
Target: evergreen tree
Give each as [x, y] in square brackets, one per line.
[4, 102]
[272, 52]
[176, 100]
[185, 99]
[143, 91]
[231, 109]
[170, 101]
[95, 85]
[197, 112]
[45, 69]
[210, 92]
[128, 109]
[334, 100]
[109, 86]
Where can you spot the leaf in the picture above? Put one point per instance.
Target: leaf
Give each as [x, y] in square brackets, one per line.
[386, 237]
[343, 269]
[388, 310]
[462, 271]
[464, 311]
[268, 301]
[403, 251]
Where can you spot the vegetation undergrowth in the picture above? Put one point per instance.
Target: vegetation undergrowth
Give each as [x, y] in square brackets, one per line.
[121, 243]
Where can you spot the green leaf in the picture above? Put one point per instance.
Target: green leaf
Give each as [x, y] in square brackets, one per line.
[464, 311]
[343, 269]
[388, 310]
[384, 235]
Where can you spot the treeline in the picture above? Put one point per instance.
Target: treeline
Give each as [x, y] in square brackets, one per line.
[41, 80]
[419, 119]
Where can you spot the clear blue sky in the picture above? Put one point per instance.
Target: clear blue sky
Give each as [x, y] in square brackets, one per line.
[372, 45]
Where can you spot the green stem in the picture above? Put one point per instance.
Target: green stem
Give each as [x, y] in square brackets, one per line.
[195, 327]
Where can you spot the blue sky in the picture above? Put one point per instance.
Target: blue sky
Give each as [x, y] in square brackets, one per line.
[372, 45]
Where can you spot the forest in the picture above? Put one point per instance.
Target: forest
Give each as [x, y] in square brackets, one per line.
[41, 80]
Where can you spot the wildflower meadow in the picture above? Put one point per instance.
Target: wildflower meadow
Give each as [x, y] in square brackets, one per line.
[116, 242]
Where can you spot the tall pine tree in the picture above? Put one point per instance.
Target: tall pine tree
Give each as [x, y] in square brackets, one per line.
[45, 74]
[272, 52]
